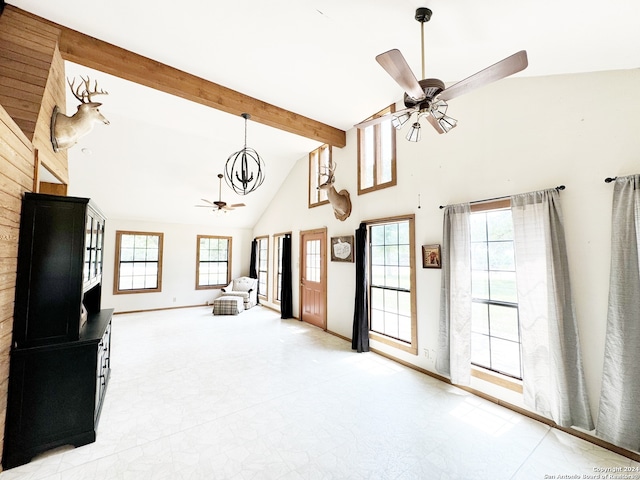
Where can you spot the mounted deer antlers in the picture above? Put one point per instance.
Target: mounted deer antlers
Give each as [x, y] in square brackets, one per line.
[66, 131]
[340, 201]
[85, 95]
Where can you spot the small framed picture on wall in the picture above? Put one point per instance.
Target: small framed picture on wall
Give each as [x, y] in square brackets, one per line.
[342, 249]
[431, 256]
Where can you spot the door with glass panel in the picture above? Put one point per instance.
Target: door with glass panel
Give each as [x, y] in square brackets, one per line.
[313, 283]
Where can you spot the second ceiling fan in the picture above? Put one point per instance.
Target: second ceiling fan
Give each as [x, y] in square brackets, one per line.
[219, 205]
[428, 97]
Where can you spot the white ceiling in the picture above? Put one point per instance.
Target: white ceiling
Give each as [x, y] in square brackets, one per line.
[161, 154]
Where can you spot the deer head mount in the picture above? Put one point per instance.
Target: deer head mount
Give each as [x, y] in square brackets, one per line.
[66, 131]
[340, 201]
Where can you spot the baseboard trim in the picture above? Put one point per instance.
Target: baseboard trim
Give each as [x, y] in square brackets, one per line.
[160, 309]
[571, 431]
[208, 304]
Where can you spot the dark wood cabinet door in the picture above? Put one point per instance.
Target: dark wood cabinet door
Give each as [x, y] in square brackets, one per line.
[49, 278]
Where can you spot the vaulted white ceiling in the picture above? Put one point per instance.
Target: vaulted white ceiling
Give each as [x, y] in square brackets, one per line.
[160, 155]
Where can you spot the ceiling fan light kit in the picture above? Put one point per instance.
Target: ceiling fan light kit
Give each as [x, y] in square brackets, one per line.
[399, 121]
[447, 123]
[414, 132]
[244, 170]
[428, 98]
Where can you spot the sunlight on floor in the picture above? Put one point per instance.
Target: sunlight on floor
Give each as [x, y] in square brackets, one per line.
[269, 399]
[486, 416]
[489, 418]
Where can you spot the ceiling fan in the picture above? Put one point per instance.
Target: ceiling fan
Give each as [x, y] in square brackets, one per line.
[219, 205]
[428, 97]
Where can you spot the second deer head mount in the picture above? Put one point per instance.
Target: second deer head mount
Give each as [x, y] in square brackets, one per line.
[66, 131]
[340, 201]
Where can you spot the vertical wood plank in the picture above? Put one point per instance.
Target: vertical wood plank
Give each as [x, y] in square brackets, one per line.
[16, 152]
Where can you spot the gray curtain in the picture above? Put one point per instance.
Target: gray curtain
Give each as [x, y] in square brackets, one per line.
[454, 339]
[553, 378]
[619, 413]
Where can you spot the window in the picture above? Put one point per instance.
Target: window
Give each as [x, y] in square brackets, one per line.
[138, 262]
[277, 242]
[213, 268]
[391, 283]
[319, 161]
[263, 266]
[495, 331]
[377, 155]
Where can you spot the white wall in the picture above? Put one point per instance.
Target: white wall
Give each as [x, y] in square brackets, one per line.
[515, 136]
[178, 265]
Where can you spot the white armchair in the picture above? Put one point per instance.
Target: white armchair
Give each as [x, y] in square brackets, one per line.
[244, 287]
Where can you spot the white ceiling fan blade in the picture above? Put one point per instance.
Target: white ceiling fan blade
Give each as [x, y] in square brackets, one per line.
[207, 201]
[382, 118]
[395, 65]
[508, 66]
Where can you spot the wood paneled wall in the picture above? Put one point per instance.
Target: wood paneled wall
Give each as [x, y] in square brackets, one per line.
[16, 177]
[32, 81]
[54, 94]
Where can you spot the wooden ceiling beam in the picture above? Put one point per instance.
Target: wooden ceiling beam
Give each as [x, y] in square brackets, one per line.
[102, 56]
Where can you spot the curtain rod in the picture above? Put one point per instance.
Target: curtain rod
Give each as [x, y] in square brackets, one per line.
[559, 187]
[610, 179]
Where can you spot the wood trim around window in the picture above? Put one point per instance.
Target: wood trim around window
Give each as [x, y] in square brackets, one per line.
[274, 289]
[377, 164]
[318, 152]
[413, 346]
[497, 378]
[265, 295]
[116, 275]
[229, 256]
[491, 205]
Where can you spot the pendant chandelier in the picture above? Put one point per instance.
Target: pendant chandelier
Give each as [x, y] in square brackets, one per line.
[244, 170]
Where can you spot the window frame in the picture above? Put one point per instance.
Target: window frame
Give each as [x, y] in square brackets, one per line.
[378, 164]
[228, 262]
[412, 346]
[263, 239]
[317, 161]
[511, 381]
[118, 262]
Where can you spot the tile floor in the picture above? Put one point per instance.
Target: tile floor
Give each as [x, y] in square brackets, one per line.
[196, 396]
